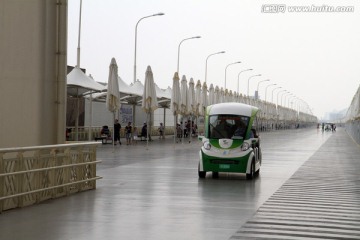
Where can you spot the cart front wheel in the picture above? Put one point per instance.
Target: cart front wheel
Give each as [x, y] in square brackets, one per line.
[252, 171]
[202, 174]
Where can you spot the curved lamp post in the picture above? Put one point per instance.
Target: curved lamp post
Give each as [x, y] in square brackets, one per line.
[274, 84]
[250, 69]
[257, 89]
[178, 60]
[207, 61]
[291, 98]
[277, 96]
[226, 69]
[272, 94]
[153, 15]
[258, 75]
[285, 95]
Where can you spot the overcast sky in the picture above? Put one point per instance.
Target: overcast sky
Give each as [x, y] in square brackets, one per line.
[313, 55]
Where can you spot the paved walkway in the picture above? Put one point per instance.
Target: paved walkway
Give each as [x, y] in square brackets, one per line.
[320, 201]
[155, 194]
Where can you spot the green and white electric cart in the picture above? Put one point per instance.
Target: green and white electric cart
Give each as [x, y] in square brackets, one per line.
[230, 142]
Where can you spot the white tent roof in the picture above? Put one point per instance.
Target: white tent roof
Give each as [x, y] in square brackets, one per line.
[137, 88]
[124, 88]
[78, 83]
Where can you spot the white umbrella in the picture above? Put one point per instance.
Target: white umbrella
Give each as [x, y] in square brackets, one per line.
[236, 97]
[226, 96]
[217, 95]
[113, 94]
[175, 100]
[222, 95]
[204, 99]
[184, 99]
[191, 104]
[231, 96]
[198, 97]
[183, 102]
[175, 95]
[191, 97]
[149, 101]
[211, 95]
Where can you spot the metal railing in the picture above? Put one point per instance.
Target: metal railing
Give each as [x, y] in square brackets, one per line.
[83, 132]
[29, 175]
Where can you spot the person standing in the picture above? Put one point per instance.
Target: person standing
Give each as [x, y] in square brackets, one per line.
[128, 131]
[161, 131]
[135, 137]
[117, 127]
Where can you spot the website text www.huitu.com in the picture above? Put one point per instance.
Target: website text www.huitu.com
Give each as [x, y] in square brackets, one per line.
[282, 8]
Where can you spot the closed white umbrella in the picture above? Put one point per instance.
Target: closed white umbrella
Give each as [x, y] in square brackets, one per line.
[231, 96]
[198, 97]
[113, 94]
[222, 95]
[184, 99]
[175, 100]
[226, 96]
[241, 98]
[217, 95]
[149, 101]
[236, 97]
[211, 95]
[204, 99]
[191, 97]
[183, 102]
[191, 104]
[175, 95]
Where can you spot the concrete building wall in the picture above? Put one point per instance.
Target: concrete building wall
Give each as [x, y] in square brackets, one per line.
[101, 116]
[32, 72]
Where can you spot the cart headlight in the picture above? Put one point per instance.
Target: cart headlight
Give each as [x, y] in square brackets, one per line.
[245, 146]
[207, 145]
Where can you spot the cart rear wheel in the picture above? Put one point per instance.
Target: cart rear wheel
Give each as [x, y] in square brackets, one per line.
[202, 174]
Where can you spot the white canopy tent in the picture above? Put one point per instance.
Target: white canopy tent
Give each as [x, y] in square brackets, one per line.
[78, 86]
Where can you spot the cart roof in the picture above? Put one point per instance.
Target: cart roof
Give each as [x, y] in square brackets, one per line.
[232, 108]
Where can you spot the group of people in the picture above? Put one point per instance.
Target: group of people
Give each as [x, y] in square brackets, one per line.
[185, 129]
[131, 133]
[327, 127]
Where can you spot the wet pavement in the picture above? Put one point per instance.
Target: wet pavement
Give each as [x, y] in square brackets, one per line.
[320, 201]
[156, 193]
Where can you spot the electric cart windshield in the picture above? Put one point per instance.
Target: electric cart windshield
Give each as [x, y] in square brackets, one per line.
[228, 126]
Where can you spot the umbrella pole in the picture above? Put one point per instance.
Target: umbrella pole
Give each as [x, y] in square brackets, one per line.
[113, 134]
[190, 128]
[174, 129]
[147, 133]
[182, 130]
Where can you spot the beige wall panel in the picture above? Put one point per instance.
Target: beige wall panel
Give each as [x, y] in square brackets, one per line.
[29, 67]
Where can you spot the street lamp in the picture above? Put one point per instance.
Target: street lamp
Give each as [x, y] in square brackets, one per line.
[277, 97]
[250, 69]
[258, 75]
[285, 95]
[272, 94]
[178, 60]
[267, 88]
[257, 89]
[207, 61]
[227, 67]
[157, 14]
[291, 98]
